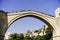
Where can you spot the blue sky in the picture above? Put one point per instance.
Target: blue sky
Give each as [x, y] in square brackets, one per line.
[21, 25]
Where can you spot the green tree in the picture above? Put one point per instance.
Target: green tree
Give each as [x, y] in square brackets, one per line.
[29, 32]
[13, 36]
[21, 37]
[37, 37]
[27, 38]
[36, 31]
[16, 36]
[49, 32]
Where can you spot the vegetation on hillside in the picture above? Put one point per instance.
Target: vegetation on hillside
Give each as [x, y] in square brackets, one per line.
[48, 35]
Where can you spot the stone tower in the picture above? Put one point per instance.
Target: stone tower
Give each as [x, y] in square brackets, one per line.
[57, 12]
[57, 34]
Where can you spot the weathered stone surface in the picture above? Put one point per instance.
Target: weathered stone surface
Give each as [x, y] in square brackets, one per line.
[3, 24]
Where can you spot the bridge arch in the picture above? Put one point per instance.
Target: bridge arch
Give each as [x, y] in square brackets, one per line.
[43, 17]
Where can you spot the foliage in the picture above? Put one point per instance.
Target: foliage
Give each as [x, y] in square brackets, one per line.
[29, 32]
[27, 38]
[16, 36]
[38, 37]
[36, 31]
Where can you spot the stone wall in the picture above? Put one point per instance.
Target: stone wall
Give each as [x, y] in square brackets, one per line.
[3, 22]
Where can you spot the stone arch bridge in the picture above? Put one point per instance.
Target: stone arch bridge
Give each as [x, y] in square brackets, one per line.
[7, 18]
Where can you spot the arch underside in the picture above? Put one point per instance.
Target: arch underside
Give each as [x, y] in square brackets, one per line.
[39, 16]
[43, 20]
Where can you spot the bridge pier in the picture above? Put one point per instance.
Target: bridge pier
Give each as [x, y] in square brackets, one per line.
[3, 24]
[56, 36]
